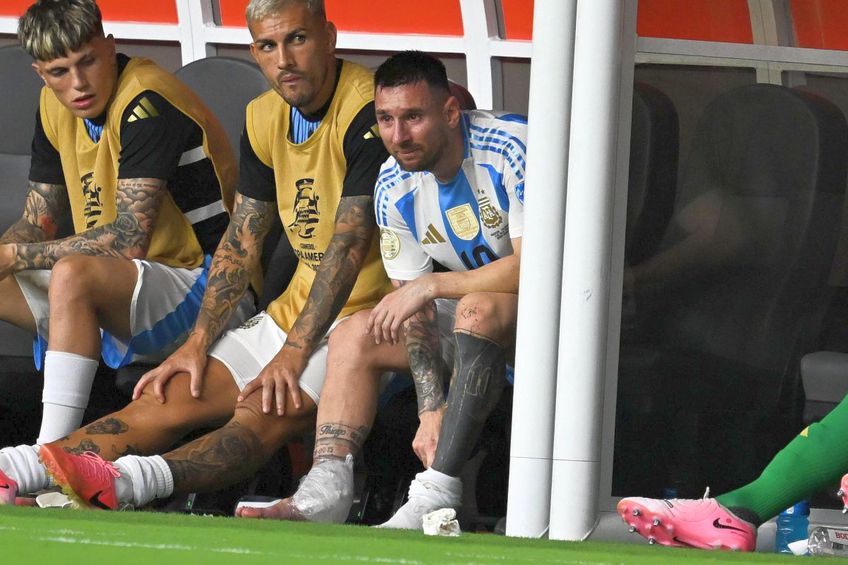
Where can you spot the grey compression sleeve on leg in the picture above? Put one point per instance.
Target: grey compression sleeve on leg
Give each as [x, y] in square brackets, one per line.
[476, 386]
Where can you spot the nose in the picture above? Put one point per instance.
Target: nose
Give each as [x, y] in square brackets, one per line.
[284, 61]
[399, 132]
[78, 79]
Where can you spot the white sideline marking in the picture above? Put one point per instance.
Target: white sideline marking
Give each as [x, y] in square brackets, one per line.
[513, 559]
[65, 536]
[84, 541]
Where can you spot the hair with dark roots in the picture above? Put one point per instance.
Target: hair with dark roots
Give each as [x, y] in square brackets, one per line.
[410, 67]
[50, 29]
[258, 10]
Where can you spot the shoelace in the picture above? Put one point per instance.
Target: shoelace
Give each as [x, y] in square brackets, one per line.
[93, 461]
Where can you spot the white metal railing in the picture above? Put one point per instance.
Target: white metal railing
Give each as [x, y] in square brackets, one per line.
[198, 37]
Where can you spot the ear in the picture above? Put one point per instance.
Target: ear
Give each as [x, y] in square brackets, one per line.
[332, 35]
[110, 43]
[37, 67]
[254, 52]
[452, 111]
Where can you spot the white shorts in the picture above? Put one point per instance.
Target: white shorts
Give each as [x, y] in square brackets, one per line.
[246, 350]
[164, 306]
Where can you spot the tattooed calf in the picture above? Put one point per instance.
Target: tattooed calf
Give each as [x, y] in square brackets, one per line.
[108, 426]
[84, 445]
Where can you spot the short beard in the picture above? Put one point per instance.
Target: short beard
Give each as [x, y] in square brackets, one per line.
[300, 101]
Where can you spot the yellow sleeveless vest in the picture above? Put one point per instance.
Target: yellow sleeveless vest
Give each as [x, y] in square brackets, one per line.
[91, 169]
[309, 178]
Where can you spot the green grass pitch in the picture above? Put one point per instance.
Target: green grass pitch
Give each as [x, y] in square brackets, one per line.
[30, 535]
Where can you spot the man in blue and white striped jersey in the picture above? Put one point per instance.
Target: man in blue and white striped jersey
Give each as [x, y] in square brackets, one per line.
[452, 194]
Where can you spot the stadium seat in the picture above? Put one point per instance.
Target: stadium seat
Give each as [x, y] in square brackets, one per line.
[19, 90]
[710, 390]
[225, 85]
[653, 171]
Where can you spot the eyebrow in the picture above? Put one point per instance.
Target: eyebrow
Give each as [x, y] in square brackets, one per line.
[298, 31]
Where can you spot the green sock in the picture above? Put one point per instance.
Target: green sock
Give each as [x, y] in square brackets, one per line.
[815, 459]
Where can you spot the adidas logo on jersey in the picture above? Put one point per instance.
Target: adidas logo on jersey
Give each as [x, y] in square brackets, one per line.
[373, 133]
[144, 109]
[432, 236]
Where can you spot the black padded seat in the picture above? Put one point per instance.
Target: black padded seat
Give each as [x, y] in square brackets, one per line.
[654, 148]
[739, 293]
[19, 90]
[225, 85]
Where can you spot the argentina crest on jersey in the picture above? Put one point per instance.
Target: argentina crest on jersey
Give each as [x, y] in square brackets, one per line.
[463, 221]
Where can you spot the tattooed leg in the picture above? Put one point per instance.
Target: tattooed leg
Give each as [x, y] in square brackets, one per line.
[485, 325]
[477, 384]
[240, 448]
[148, 426]
[346, 412]
[349, 396]
[337, 440]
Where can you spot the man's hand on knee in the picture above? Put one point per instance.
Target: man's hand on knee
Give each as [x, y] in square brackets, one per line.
[189, 358]
[280, 376]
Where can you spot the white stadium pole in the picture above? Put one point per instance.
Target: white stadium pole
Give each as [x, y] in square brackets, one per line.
[541, 268]
[596, 105]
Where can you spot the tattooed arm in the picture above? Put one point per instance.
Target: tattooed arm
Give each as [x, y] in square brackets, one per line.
[229, 276]
[45, 205]
[235, 260]
[425, 359]
[428, 373]
[128, 236]
[334, 280]
[500, 275]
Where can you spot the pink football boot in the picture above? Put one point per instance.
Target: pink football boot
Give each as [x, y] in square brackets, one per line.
[87, 479]
[843, 493]
[8, 489]
[703, 523]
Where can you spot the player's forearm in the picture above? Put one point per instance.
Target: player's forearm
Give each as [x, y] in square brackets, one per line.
[498, 276]
[128, 236]
[124, 238]
[44, 203]
[235, 259]
[23, 232]
[425, 359]
[336, 275]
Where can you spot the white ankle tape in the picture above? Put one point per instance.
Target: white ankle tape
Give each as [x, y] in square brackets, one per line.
[326, 492]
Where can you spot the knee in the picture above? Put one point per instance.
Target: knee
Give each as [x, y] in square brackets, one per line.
[349, 345]
[73, 277]
[146, 408]
[478, 313]
[271, 430]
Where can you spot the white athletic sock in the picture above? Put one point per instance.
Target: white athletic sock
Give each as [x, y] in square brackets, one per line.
[430, 490]
[143, 479]
[67, 386]
[21, 463]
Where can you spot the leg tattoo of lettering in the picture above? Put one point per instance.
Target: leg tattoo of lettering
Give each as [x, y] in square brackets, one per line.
[336, 440]
[477, 384]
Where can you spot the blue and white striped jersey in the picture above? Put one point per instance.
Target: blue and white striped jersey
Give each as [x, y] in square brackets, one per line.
[465, 223]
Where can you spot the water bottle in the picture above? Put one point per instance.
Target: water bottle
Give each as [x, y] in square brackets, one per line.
[828, 541]
[792, 525]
